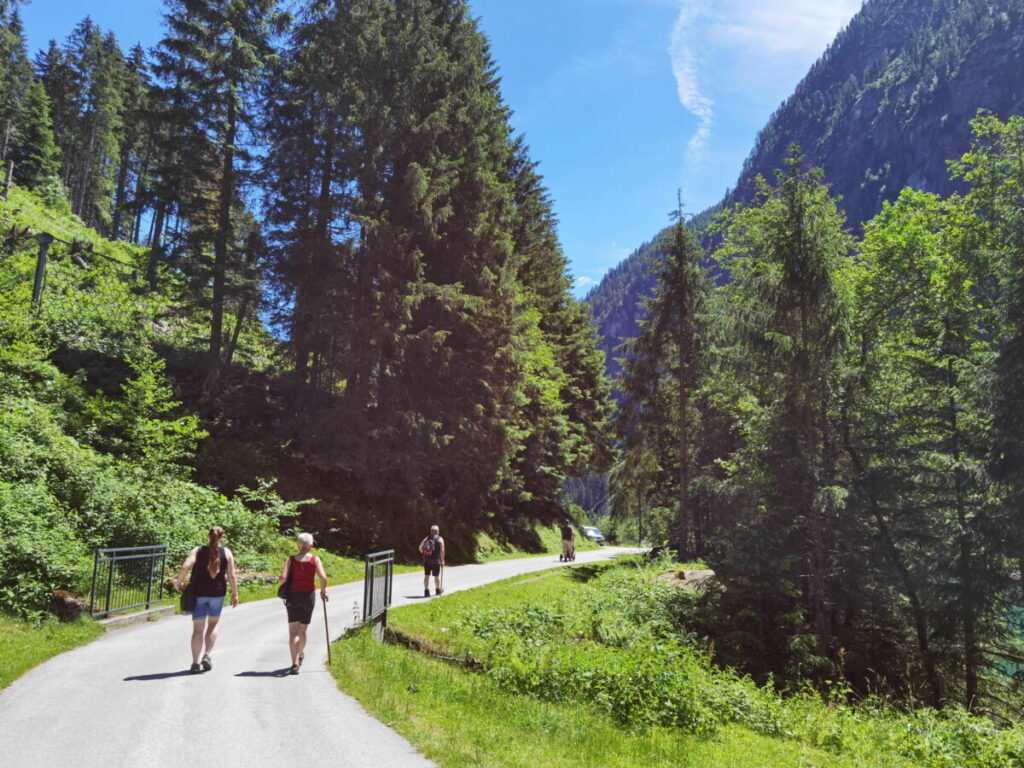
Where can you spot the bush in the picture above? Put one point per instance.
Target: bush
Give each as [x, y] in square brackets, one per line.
[96, 462]
[620, 643]
[39, 550]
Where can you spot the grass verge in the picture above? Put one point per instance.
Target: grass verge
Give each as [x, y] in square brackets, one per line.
[489, 549]
[24, 645]
[593, 664]
[461, 719]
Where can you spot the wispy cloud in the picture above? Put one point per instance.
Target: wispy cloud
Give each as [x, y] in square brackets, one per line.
[733, 45]
[684, 68]
[785, 28]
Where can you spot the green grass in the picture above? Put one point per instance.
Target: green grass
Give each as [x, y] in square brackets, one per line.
[459, 718]
[24, 645]
[489, 549]
[576, 661]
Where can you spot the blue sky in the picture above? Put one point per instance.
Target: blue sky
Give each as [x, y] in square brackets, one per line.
[622, 101]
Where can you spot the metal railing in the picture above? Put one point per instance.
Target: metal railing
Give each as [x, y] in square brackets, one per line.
[124, 578]
[380, 568]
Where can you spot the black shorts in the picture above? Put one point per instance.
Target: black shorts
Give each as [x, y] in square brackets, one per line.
[300, 606]
[431, 569]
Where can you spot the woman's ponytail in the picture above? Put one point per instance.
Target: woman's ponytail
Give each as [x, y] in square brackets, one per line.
[213, 562]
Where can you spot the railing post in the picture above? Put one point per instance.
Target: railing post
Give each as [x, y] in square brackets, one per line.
[110, 583]
[149, 580]
[45, 238]
[92, 592]
[163, 568]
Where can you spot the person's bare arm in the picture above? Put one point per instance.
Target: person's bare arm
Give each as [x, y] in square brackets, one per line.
[442, 550]
[284, 574]
[322, 575]
[231, 577]
[179, 582]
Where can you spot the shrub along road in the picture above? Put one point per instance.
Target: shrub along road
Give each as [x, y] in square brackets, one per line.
[128, 699]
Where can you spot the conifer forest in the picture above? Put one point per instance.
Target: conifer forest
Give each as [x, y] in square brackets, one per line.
[304, 273]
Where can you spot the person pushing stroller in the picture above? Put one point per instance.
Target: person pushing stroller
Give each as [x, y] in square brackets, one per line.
[568, 543]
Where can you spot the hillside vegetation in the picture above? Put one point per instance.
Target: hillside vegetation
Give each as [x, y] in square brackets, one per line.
[603, 665]
[94, 448]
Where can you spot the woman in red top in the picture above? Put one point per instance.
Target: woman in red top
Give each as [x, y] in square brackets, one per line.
[298, 573]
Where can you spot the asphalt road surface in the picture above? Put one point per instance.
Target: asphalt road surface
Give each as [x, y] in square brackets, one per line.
[127, 699]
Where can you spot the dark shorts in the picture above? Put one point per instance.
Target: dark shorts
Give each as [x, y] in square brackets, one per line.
[431, 569]
[300, 606]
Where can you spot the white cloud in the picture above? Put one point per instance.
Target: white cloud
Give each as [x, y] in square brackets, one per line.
[584, 282]
[684, 68]
[734, 46]
[785, 27]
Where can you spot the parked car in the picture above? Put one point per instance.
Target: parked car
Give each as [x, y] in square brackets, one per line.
[593, 534]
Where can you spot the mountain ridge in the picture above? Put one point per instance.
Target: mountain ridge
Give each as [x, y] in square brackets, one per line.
[886, 106]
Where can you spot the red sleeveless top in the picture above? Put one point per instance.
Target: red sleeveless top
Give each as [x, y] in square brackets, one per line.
[302, 574]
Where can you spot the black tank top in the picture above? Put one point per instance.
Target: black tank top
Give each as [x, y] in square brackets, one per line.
[206, 585]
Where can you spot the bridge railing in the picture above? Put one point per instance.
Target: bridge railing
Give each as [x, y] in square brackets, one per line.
[124, 578]
[380, 567]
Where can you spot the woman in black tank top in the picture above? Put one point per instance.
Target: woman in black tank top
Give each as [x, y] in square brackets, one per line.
[212, 567]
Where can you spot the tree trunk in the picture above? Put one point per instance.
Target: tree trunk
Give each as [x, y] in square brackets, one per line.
[239, 319]
[965, 572]
[221, 241]
[156, 248]
[122, 183]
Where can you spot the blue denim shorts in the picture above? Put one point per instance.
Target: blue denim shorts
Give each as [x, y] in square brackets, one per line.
[208, 607]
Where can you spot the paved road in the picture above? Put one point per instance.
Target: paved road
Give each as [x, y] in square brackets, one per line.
[126, 699]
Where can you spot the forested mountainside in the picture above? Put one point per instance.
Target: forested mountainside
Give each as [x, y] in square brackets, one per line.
[885, 107]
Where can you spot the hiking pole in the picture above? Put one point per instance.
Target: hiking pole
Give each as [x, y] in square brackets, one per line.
[442, 578]
[327, 633]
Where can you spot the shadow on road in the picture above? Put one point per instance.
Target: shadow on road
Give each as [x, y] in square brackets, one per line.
[274, 673]
[415, 597]
[159, 675]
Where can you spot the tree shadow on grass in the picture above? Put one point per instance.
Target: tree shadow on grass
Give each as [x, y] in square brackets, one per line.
[583, 573]
[273, 673]
[159, 675]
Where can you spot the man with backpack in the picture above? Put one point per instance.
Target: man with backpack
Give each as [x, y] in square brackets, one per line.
[432, 549]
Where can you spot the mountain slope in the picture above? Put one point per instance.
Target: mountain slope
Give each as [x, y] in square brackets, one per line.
[885, 107]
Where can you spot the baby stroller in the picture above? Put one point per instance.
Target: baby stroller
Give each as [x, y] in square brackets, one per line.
[568, 558]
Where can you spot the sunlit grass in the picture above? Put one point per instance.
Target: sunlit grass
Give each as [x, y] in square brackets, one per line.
[459, 718]
[24, 645]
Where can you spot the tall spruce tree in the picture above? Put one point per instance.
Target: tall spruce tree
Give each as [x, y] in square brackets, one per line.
[135, 145]
[667, 358]
[35, 155]
[428, 311]
[994, 169]
[212, 57]
[15, 74]
[791, 309]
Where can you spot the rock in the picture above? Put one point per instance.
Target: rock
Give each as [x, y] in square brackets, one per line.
[66, 606]
[693, 579]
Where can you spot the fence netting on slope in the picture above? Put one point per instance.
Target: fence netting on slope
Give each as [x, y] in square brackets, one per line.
[69, 290]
